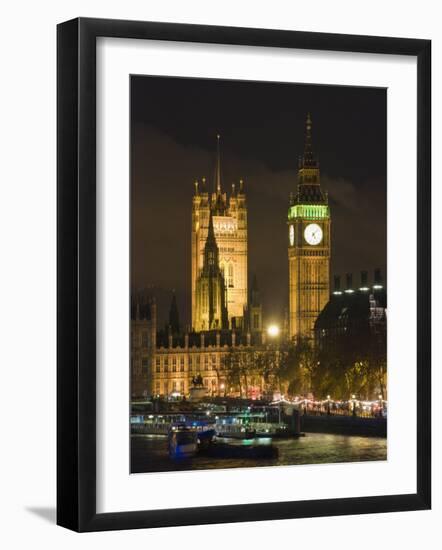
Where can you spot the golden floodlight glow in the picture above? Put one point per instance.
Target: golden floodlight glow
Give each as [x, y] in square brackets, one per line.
[273, 330]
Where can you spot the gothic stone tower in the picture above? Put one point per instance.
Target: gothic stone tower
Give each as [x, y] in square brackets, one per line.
[309, 245]
[210, 292]
[230, 227]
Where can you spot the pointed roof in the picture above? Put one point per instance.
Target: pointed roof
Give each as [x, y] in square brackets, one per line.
[211, 240]
[211, 251]
[309, 188]
[308, 159]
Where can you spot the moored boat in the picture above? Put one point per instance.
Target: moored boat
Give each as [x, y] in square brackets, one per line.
[153, 424]
[231, 427]
[271, 429]
[182, 441]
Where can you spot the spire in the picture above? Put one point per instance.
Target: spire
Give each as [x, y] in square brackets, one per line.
[211, 252]
[218, 199]
[213, 285]
[309, 189]
[308, 159]
[218, 167]
[211, 240]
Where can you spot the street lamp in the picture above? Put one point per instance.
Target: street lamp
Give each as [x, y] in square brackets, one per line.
[353, 397]
[273, 331]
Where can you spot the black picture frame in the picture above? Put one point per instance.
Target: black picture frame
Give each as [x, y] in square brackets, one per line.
[76, 274]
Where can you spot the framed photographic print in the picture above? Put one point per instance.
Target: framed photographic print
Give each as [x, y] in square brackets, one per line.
[234, 205]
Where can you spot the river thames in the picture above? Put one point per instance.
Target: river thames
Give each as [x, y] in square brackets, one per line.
[149, 453]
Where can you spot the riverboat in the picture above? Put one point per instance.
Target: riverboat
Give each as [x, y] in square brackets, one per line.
[182, 441]
[153, 424]
[233, 427]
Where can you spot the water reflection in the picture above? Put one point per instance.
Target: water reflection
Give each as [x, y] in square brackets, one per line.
[149, 453]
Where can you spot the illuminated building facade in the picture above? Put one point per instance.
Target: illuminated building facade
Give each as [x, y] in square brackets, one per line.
[225, 318]
[178, 359]
[143, 333]
[164, 362]
[210, 289]
[229, 217]
[309, 243]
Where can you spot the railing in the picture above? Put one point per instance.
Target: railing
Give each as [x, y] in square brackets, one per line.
[361, 412]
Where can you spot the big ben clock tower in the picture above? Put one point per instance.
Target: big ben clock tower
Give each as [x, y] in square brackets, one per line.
[309, 245]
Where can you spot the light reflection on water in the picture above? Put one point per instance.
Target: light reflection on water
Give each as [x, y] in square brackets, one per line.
[149, 453]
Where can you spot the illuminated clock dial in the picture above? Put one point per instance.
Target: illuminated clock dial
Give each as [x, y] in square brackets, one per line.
[291, 235]
[313, 234]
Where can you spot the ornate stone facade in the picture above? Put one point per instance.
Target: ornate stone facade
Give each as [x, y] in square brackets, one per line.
[178, 359]
[210, 289]
[143, 334]
[225, 319]
[230, 228]
[309, 245]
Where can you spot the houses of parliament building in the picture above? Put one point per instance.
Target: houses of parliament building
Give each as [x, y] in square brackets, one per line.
[226, 313]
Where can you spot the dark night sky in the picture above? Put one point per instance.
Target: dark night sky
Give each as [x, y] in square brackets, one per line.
[174, 122]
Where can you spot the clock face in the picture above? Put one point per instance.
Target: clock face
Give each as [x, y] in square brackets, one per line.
[291, 235]
[313, 234]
